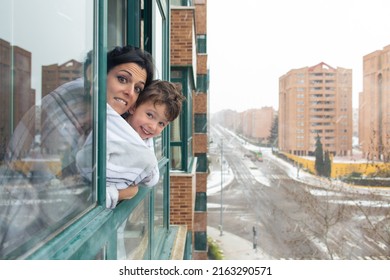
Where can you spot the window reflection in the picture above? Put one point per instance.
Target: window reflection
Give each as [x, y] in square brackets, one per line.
[158, 218]
[47, 116]
[133, 234]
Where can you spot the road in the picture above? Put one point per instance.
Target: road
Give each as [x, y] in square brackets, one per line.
[295, 215]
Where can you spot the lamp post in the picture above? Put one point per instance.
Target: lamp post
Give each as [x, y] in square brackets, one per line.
[221, 217]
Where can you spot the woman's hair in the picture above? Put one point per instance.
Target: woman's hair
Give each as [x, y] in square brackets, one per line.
[131, 54]
[163, 93]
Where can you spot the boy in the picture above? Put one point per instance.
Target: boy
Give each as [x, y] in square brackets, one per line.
[130, 152]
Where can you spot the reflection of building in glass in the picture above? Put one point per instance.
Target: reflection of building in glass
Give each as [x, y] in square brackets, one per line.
[16, 94]
[374, 106]
[55, 75]
[315, 101]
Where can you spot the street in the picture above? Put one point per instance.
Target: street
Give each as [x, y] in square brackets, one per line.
[290, 214]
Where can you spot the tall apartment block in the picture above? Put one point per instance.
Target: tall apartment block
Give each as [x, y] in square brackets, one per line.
[15, 84]
[55, 75]
[374, 106]
[188, 198]
[315, 101]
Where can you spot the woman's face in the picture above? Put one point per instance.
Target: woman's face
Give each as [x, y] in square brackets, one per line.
[124, 83]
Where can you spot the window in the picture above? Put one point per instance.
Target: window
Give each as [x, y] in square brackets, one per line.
[201, 43]
[41, 190]
[181, 132]
[200, 123]
[46, 207]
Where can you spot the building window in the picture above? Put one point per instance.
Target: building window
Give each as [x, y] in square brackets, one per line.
[44, 131]
[201, 43]
[182, 128]
[200, 240]
[201, 83]
[200, 123]
[201, 201]
[202, 162]
[60, 209]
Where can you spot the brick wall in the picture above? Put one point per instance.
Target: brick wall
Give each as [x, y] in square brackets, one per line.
[200, 221]
[182, 199]
[182, 21]
[202, 64]
[200, 103]
[201, 182]
[199, 255]
[201, 17]
[200, 143]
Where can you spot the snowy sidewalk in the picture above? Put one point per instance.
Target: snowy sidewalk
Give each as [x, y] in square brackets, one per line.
[235, 247]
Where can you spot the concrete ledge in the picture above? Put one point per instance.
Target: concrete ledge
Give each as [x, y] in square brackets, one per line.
[179, 243]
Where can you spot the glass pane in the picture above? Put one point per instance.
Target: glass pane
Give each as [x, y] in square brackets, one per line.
[175, 130]
[133, 234]
[45, 117]
[176, 158]
[158, 147]
[158, 215]
[116, 23]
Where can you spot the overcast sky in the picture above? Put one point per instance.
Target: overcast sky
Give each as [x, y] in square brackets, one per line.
[251, 43]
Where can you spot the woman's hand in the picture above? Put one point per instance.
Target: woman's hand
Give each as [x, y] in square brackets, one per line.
[128, 193]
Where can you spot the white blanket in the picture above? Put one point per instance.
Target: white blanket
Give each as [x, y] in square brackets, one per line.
[130, 160]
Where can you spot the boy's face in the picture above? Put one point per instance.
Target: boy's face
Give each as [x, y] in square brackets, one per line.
[148, 120]
[124, 83]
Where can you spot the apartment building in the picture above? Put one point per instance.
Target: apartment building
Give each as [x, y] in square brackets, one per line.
[70, 221]
[55, 75]
[313, 101]
[374, 106]
[189, 177]
[15, 60]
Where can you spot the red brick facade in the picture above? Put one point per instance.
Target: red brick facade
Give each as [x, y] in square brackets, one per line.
[182, 36]
[182, 199]
[200, 103]
[200, 143]
[186, 24]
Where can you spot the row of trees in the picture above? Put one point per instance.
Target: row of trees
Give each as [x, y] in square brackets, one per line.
[323, 163]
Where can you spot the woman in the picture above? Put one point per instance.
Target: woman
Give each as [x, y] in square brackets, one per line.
[40, 175]
[66, 115]
[125, 82]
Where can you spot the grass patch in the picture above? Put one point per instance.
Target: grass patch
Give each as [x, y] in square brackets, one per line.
[214, 252]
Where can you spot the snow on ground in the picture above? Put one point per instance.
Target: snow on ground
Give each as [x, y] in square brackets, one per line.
[214, 178]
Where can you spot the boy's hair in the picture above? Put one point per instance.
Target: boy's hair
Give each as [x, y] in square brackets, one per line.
[163, 93]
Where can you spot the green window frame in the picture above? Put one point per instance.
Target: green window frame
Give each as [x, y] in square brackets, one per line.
[200, 123]
[202, 163]
[95, 233]
[201, 83]
[201, 41]
[181, 147]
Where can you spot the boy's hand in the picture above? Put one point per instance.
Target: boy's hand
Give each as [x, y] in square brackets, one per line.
[128, 193]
